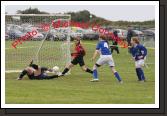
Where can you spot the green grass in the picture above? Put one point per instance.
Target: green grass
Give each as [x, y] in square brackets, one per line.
[76, 88]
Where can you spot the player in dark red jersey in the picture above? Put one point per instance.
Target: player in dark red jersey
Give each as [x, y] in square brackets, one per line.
[77, 57]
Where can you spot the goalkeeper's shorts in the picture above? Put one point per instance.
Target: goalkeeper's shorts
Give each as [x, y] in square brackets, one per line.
[40, 77]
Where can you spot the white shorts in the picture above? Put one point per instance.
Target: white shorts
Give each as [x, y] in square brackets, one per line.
[105, 59]
[139, 63]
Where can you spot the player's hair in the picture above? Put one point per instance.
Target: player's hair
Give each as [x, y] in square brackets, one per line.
[136, 40]
[77, 38]
[103, 37]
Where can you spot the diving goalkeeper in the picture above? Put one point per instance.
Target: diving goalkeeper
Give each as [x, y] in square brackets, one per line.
[34, 71]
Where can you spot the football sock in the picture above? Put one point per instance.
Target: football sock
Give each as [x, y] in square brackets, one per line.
[138, 75]
[89, 71]
[117, 76]
[24, 72]
[95, 74]
[65, 71]
[141, 73]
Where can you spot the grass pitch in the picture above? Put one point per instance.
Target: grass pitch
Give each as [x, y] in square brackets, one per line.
[76, 87]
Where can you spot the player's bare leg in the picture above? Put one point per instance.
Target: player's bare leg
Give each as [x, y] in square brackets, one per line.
[68, 67]
[86, 69]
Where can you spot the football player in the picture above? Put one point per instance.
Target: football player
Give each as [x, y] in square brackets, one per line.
[34, 71]
[102, 48]
[115, 43]
[77, 57]
[139, 53]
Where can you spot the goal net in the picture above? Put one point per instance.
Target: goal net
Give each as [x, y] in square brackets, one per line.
[149, 43]
[45, 38]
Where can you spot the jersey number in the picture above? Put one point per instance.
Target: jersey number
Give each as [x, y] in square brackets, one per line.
[105, 45]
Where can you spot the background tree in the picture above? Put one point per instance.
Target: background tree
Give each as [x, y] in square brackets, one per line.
[84, 16]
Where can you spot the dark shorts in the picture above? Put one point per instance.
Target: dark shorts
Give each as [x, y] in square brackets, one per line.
[40, 77]
[78, 60]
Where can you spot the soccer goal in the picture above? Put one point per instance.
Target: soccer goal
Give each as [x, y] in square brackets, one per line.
[49, 45]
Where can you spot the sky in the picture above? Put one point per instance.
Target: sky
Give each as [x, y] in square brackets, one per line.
[109, 12]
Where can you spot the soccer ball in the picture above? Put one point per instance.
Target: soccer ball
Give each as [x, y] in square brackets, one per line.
[55, 69]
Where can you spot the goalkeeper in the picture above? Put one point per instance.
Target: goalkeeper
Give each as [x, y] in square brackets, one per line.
[77, 55]
[34, 71]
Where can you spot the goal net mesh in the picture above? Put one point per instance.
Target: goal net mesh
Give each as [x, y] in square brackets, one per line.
[49, 46]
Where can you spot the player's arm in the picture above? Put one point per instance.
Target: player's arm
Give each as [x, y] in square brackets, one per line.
[43, 69]
[72, 49]
[132, 51]
[31, 63]
[96, 51]
[95, 54]
[143, 51]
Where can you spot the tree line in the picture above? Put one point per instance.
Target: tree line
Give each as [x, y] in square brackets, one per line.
[86, 16]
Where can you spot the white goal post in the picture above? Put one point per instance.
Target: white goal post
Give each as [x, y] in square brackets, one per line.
[49, 46]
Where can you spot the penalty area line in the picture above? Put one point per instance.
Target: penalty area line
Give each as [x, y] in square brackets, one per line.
[21, 47]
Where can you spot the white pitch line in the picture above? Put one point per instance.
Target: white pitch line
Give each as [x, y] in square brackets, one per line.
[21, 47]
[151, 48]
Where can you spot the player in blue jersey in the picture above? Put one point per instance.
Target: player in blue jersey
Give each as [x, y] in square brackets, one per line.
[103, 49]
[139, 53]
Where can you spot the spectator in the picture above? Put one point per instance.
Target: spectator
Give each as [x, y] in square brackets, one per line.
[129, 36]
